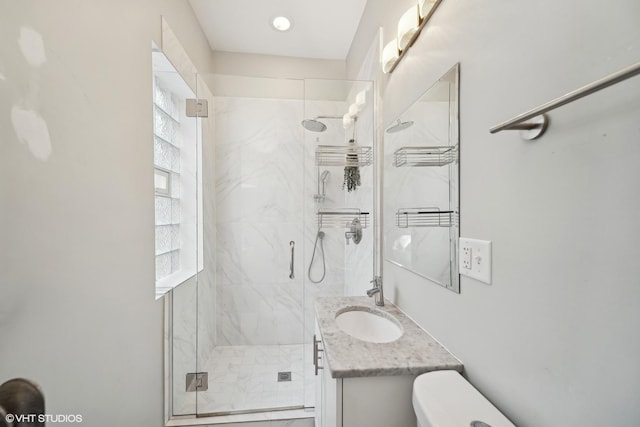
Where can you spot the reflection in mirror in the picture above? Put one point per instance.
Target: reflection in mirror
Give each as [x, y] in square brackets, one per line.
[421, 199]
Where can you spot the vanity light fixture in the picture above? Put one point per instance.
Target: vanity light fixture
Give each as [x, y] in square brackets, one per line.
[281, 23]
[390, 56]
[409, 27]
[425, 6]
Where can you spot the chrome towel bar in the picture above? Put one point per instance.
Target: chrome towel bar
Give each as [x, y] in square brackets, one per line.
[538, 123]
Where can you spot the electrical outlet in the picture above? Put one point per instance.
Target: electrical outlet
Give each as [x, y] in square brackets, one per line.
[475, 259]
[465, 257]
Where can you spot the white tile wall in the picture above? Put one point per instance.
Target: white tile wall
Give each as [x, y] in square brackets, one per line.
[259, 187]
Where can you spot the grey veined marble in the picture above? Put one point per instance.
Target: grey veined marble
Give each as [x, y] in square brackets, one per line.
[414, 353]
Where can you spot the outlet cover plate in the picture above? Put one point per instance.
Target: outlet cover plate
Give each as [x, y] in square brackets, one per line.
[475, 259]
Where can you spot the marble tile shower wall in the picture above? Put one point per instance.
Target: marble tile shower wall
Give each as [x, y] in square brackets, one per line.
[266, 178]
[344, 264]
[334, 242]
[259, 187]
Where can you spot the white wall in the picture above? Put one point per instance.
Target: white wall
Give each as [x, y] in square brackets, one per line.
[259, 188]
[246, 64]
[553, 341]
[77, 307]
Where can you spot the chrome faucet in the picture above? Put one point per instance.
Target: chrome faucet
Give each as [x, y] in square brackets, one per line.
[372, 292]
[376, 290]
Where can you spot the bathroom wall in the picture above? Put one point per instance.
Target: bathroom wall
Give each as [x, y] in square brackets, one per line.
[259, 187]
[553, 340]
[278, 67]
[77, 307]
[266, 180]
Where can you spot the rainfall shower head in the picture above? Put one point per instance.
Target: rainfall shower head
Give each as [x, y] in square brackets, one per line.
[398, 126]
[314, 125]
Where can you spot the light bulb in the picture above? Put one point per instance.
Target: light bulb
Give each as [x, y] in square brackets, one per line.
[281, 23]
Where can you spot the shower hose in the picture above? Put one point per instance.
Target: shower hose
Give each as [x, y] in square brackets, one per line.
[319, 236]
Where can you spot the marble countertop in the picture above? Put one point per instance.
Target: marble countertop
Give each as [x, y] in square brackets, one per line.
[414, 353]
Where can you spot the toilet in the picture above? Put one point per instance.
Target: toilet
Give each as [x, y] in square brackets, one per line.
[446, 399]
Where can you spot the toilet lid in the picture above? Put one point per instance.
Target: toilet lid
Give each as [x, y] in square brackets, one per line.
[445, 399]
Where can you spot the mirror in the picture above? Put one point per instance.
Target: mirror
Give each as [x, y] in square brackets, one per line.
[421, 192]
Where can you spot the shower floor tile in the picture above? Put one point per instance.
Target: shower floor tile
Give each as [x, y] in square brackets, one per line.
[245, 378]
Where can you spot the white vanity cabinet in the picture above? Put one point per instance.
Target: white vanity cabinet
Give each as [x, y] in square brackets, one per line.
[326, 412]
[367, 383]
[380, 401]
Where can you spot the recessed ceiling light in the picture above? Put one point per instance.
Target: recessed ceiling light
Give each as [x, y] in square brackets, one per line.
[281, 23]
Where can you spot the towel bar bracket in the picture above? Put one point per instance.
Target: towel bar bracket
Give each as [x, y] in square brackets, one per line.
[533, 128]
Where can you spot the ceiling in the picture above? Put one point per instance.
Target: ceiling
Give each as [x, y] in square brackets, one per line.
[321, 28]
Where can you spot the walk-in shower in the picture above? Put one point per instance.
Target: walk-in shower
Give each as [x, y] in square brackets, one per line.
[242, 329]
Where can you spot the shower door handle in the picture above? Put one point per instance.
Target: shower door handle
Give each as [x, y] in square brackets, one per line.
[293, 248]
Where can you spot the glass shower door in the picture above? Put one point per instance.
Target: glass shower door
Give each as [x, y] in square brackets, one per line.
[250, 293]
[177, 222]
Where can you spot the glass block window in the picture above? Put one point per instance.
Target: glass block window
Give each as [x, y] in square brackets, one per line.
[177, 159]
[162, 181]
[166, 150]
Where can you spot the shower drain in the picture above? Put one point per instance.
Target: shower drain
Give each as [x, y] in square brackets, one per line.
[284, 376]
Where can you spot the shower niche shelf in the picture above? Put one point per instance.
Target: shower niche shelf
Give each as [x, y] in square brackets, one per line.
[341, 218]
[424, 156]
[344, 155]
[425, 217]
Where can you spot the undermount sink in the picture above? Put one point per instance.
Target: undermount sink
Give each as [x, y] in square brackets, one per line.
[367, 324]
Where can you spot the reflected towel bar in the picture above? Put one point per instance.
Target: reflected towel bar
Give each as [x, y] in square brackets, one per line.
[536, 128]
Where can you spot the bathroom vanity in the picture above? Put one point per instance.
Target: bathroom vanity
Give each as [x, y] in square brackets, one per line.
[363, 381]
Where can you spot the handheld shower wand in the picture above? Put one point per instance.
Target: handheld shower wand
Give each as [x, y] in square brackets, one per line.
[319, 237]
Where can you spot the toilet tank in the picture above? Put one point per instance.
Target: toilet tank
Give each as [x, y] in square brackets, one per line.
[446, 399]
